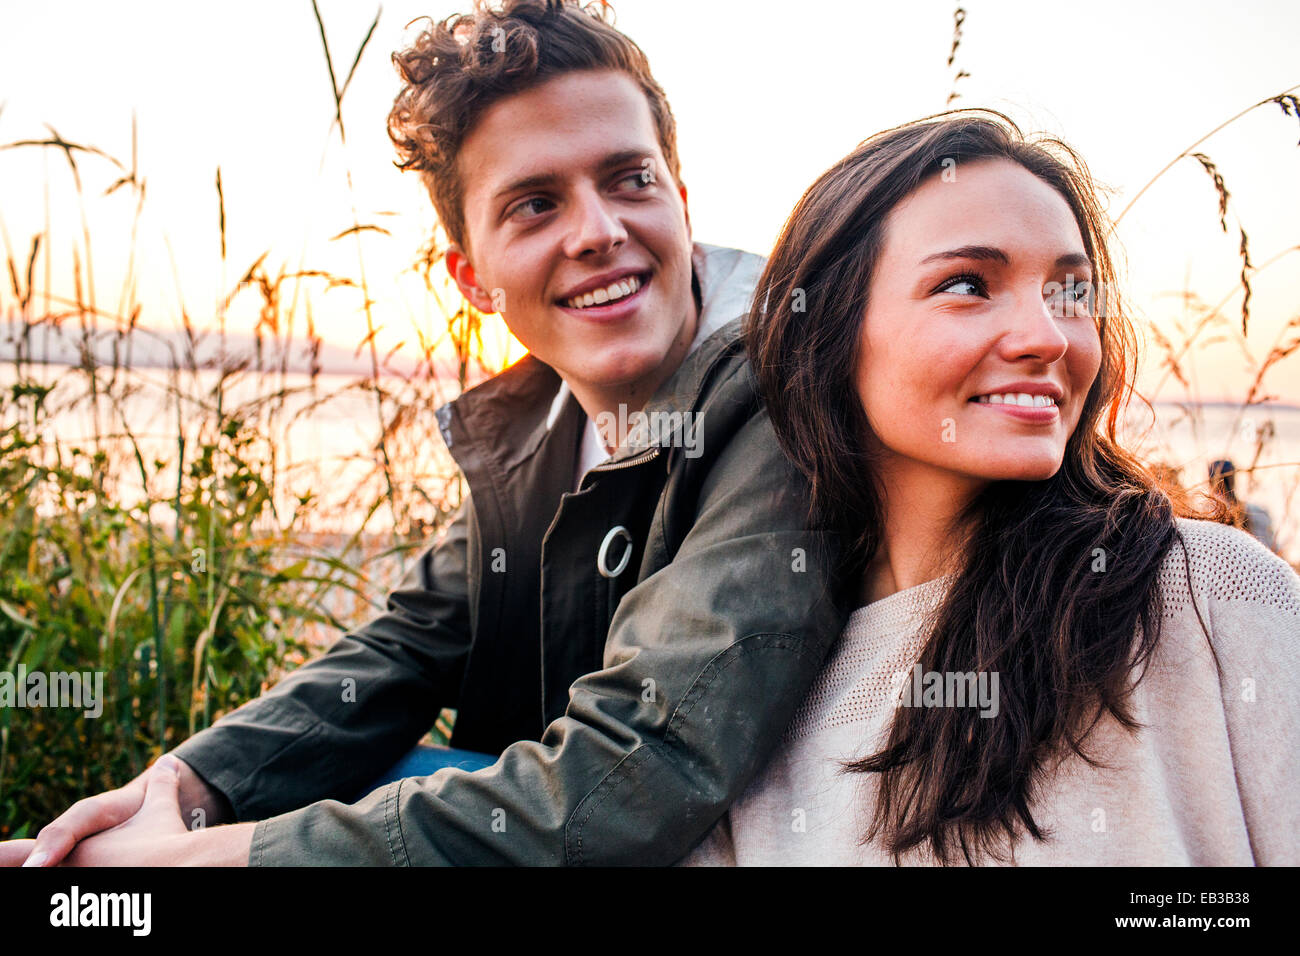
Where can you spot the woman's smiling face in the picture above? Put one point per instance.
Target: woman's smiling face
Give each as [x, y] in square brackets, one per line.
[979, 292]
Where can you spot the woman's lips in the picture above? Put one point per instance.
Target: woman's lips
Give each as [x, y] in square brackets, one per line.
[1038, 416]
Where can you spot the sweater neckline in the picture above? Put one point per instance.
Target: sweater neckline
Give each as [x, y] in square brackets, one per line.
[901, 606]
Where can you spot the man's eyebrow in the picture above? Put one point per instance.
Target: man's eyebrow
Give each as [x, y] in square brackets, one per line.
[625, 156]
[548, 177]
[535, 181]
[993, 254]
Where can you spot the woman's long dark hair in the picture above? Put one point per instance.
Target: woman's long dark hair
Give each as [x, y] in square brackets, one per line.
[1057, 576]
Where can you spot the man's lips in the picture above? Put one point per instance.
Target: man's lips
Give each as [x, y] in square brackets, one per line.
[605, 282]
[619, 308]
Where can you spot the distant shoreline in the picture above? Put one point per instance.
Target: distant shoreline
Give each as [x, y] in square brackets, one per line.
[154, 350]
[1219, 403]
[355, 367]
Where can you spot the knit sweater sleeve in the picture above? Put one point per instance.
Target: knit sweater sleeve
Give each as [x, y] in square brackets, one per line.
[1250, 601]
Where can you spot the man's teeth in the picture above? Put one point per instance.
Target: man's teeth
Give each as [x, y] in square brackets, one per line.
[1022, 399]
[611, 293]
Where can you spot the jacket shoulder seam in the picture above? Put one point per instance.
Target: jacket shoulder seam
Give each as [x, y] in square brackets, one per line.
[717, 665]
[610, 783]
[624, 769]
[392, 815]
[259, 851]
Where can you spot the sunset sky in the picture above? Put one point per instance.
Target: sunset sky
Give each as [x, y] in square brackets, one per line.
[766, 96]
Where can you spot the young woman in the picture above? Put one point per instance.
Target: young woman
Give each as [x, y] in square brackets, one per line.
[1052, 661]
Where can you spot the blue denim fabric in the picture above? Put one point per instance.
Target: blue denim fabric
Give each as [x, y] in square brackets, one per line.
[424, 760]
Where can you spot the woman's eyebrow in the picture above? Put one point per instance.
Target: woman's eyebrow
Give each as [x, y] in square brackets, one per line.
[993, 254]
[1074, 260]
[985, 253]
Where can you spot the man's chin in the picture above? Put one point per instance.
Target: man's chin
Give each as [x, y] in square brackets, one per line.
[621, 376]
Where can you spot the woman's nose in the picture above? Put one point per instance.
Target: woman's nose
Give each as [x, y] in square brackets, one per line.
[596, 229]
[1033, 329]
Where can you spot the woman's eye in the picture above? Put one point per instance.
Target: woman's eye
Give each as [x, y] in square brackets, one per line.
[1075, 298]
[1079, 292]
[964, 285]
[529, 208]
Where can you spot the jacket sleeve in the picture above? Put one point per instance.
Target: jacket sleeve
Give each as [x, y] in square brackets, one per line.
[705, 663]
[334, 724]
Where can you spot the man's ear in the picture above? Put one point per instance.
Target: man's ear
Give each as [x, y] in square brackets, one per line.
[686, 207]
[462, 273]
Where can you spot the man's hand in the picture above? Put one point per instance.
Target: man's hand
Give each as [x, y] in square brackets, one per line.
[85, 817]
[156, 835]
[104, 811]
[150, 835]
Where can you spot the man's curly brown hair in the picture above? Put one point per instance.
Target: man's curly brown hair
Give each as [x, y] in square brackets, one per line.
[462, 65]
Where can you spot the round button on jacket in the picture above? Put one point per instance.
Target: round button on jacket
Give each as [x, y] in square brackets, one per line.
[602, 562]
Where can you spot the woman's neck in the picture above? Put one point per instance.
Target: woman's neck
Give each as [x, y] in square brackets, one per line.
[922, 534]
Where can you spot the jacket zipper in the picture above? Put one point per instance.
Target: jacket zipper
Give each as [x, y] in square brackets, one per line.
[641, 459]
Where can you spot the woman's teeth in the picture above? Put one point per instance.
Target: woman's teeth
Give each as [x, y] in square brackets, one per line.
[1022, 399]
[611, 293]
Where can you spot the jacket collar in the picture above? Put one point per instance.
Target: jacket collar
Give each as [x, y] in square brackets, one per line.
[508, 417]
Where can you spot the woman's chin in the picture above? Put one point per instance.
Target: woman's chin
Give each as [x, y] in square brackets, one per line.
[1022, 471]
[1029, 468]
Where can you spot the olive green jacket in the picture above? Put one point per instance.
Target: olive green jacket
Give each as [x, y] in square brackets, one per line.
[631, 712]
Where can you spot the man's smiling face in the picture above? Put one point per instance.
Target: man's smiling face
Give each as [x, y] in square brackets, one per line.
[578, 234]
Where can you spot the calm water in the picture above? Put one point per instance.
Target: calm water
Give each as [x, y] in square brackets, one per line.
[1189, 437]
[325, 440]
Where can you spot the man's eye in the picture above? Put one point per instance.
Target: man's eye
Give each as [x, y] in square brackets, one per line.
[529, 208]
[964, 285]
[638, 180]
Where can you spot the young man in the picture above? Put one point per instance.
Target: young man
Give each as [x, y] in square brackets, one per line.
[684, 606]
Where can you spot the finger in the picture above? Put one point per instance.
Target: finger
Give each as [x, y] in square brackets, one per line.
[15, 852]
[162, 789]
[84, 818]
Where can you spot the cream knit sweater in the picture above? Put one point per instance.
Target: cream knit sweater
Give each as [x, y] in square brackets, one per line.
[1212, 778]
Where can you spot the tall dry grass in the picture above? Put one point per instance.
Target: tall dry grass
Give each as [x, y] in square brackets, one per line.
[1208, 328]
[193, 570]
[195, 564]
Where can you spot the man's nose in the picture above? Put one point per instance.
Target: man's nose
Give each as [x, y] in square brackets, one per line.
[1034, 330]
[596, 229]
